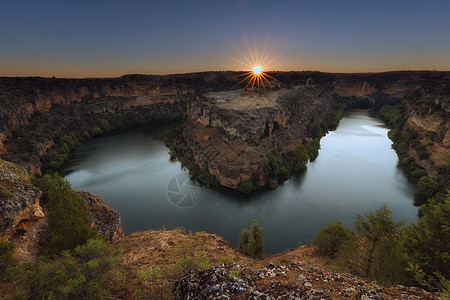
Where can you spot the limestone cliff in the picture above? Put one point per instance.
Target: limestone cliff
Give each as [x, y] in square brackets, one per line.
[22, 218]
[41, 119]
[230, 138]
[36, 113]
[230, 134]
[106, 219]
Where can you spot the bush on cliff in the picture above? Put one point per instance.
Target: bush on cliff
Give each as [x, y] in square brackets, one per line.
[375, 252]
[332, 121]
[246, 186]
[6, 256]
[314, 149]
[330, 239]
[300, 158]
[316, 131]
[78, 274]
[385, 251]
[68, 217]
[251, 242]
[427, 245]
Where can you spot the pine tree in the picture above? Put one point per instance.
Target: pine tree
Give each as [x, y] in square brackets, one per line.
[252, 242]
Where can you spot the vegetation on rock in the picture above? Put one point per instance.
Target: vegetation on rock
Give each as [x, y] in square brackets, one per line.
[330, 239]
[68, 217]
[246, 186]
[78, 274]
[251, 241]
[390, 253]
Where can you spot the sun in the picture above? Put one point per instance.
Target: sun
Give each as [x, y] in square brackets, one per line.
[257, 70]
[257, 62]
[256, 79]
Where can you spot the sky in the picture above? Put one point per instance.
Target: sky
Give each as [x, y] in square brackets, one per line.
[101, 38]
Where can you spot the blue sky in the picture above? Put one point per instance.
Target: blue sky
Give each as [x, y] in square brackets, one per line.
[111, 38]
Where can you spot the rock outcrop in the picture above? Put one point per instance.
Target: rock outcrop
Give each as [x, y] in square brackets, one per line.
[294, 281]
[106, 219]
[22, 218]
[19, 202]
[230, 134]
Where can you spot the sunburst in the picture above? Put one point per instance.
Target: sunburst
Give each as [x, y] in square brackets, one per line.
[258, 63]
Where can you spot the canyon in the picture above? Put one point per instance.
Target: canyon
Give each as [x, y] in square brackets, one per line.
[228, 135]
[43, 118]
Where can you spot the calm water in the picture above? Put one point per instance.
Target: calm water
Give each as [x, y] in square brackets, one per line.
[356, 172]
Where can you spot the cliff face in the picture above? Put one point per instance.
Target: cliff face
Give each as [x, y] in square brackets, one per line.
[230, 134]
[22, 218]
[38, 115]
[106, 219]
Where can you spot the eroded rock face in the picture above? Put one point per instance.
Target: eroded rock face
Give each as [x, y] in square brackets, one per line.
[294, 281]
[106, 219]
[19, 200]
[22, 219]
[230, 134]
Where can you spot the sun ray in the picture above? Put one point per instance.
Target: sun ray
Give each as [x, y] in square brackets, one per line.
[250, 75]
[259, 62]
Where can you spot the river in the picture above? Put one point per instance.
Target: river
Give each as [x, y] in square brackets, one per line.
[355, 173]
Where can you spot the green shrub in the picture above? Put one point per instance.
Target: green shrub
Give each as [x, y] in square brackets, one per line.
[225, 259]
[81, 274]
[246, 186]
[96, 131]
[392, 115]
[314, 151]
[284, 173]
[275, 163]
[150, 273]
[427, 188]
[316, 131]
[375, 251]
[427, 244]
[300, 158]
[191, 257]
[329, 239]
[235, 273]
[6, 256]
[252, 242]
[68, 217]
[418, 173]
[423, 154]
[6, 193]
[104, 125]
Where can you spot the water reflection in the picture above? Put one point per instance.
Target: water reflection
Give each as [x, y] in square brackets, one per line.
[355, 172]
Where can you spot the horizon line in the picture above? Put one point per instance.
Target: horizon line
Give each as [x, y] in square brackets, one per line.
[224, 71]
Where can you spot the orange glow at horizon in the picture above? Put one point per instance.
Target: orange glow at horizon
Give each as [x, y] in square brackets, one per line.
[257, 62]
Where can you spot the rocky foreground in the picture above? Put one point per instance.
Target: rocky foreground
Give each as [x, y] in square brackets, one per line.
[292, 281]
[295, 274]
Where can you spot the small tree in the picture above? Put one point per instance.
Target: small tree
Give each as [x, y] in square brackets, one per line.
[317, 131]
[78, 274]
[375, 252]
[427, 244]
[68, 216]
[246, 186]
[252, 242]
[300, 158]
[329, 239]
[6, 256]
